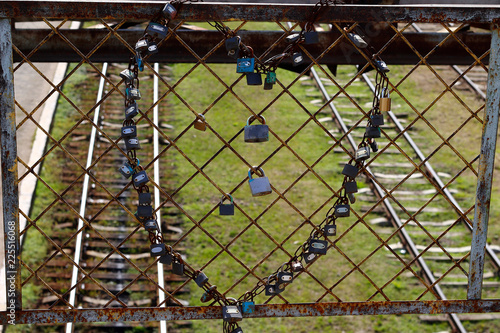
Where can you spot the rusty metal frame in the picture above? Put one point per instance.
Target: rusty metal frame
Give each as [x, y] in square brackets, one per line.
[202, 11]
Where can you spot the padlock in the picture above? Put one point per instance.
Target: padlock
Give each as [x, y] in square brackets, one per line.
[342, 211]
[259, 186]
[157, 249]
[150, 225]
[129, 132]
[296, 266]
[248, 305]
[231, 313]
[254, 79]
[140, 178]
[372, 132]
[256, 133]
[133, 93]
[382, 66]
[156, 30]
[199, 123]
[126, 170]
[169, 11]
[351, 197]
[131, 111]
[297, 58]
[377, 119]
[309, 257]
[144, 212]
[177, 267]
[293, 38]
[201, 279]
[237, 330]
[152, 48]
[357, 40]
[141, 45]
[226, 209]
[245, 65]
[351, 186]
[132, 144]
[145, 198]
[127, 75]
[311, 37]
[140, 62]
[271, 289]
[166, 259]
[268, 86]
[374, 146]
[318, 246]
[271, 77]
[350, 171]
[385, 101]
[233, 46]
[330, 230]
[141, 219]
[284, 277]
[207, 295]
[362, 153]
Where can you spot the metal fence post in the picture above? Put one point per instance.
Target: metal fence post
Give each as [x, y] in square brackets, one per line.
[485, 172]
[9, 170]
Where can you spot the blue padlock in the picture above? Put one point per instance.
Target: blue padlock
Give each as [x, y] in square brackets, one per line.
[245, 65]
[248, 305]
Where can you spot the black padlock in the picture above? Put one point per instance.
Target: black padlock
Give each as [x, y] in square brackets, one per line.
[271, 289]
[268, 86]
[129, 131]
[351, 186]
[374, 146]
[231, 313]
[142, 219]
[377, 119]
[126, 170]
[132, 144]
[311, 37]
[145, 198]
[169, 11]
[297, 59]
[156, 30]
[342, 211]
[127, 75]
[140, 178]
[254, 79]
[150, 225]
[284, 277]
[350, 171]
[351, 197]
[233, 46]
[372, 132]
[177, 267]
[256, 133]
[166, 259]
[362, 154]
[152, 48]
[201, 279]
[330, 230]
[157, 250]
[144, 211]
[318, 246]
[131, 111]
[226, 209]
[309, 257]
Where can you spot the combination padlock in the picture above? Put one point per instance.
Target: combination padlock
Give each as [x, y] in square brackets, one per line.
[293, 38]
[350, 171]
[254, 79]
[296, 266]
[231, 313]
[330, 230]
[145, 198]
[131, 111]
[201, 279]
[141, 45]
[248, 305]
[372, 132]
[156, 30]
[373, 146]
[297, 58]
[126, 170]
[166, 259]
[150, 225]
[245, 65]
[381, 66]
[199, 123]
[311, 37]
[259, 186]
[143, 212]
[342, 211]
[318, 246]
[362, 153]
[169, 11]
[132, 144]
[157, 250]
[377, 119]
[226, 209]
[309, 257]
[127, 75]
[140, 179]
[351, 186]
[129, 131]
[256, 133]
[177, 266]
[133, 93]
[233, 46]
[385, 101]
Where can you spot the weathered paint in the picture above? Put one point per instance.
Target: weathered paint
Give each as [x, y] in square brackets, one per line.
[485, 171]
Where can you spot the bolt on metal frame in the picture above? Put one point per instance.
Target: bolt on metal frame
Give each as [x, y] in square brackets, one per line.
[200, 12]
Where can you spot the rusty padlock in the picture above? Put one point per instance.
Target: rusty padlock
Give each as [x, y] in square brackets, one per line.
[259, 186]
[385, 100]
[199, 123]
[256, 133]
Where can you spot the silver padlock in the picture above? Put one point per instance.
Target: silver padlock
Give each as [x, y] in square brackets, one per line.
[141, 45]
[259, 186]
[126, 170]
[382, 66]
[362, 154]
[133, 93]
[256, 133]
[127, 75]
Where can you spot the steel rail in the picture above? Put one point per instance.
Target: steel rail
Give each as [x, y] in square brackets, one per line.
[454, 320]
[85, 190]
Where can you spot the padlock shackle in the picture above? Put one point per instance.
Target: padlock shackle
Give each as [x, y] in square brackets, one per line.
[224, 196]
[385, 89]
[200, 115]
[253, 117]
[250, 172]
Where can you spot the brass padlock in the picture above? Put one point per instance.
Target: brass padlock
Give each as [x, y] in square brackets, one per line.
[385, 100]
[256, 133]
[259, 186]
[200, 124]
